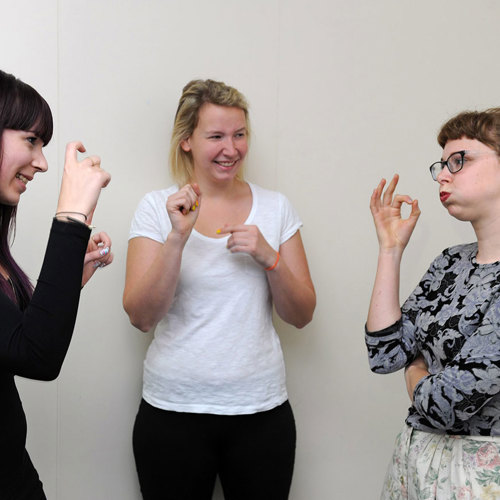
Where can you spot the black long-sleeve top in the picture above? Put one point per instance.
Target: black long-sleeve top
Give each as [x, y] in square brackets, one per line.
[33, 344]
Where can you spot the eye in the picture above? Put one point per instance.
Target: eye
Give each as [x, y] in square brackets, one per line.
[456, 162]
[215, 136]
[32, 139]
[240, 134]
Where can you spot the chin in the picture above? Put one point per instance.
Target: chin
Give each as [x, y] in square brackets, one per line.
[459, 216]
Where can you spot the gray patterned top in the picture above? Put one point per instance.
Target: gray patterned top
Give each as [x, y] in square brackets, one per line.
[453, 319]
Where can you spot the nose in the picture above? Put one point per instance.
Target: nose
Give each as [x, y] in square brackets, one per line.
[39, 161]
[229, 147]
[444, 176]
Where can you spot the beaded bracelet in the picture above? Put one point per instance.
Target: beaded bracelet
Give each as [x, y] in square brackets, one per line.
[270, 268]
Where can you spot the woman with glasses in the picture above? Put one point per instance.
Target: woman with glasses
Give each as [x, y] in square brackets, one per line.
[447, 334]
[36, 324]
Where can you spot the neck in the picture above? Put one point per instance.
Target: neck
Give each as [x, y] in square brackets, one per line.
[219, 189]
[488, 240]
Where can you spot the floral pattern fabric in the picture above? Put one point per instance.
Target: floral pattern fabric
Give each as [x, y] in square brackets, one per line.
[453, 319]
[430, 466]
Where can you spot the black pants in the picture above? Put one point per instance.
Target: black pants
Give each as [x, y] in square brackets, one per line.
[178, 455]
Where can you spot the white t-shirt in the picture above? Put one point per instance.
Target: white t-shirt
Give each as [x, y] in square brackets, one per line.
[216, 350]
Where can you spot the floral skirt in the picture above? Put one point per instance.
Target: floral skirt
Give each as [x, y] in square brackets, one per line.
[428, 466]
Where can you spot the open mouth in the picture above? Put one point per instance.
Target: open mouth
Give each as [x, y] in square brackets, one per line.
[226, 164]
[22, 178]
[444, 196]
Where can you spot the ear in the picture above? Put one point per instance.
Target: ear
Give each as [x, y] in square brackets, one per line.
[186, 147]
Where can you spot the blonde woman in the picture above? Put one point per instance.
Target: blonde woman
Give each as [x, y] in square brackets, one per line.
[207, 259]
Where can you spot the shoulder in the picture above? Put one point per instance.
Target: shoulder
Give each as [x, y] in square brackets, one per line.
[160, 195]
[269, 195]
[455, 254]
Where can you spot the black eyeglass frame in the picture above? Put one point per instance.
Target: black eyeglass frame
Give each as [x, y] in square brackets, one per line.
[445, 163]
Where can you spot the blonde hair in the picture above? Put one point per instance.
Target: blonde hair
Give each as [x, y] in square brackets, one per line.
[194, 95]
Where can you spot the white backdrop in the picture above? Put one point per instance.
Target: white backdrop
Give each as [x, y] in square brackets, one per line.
[341, 94]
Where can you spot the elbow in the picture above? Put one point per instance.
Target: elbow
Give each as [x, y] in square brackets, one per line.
[50, 374]
[142, 326]
[136, 319]
[46, 372]
[140, 323]
[304, 316]
[302, 321]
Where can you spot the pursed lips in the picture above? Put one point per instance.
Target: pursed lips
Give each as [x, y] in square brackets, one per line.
[443, 196]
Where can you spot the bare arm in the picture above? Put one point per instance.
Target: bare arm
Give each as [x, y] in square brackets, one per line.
[291, 285]
[151, 279]
[393, 234]
[414, 372]
[153, 268]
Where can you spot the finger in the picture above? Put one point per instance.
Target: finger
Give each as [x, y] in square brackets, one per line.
[399, 199]
[188, 199]
[71, 150]
[103, 238]
[104, 261]
[415, 210]
[95, 161]
[376, 194]
[387, 197]
[237, 228]
[106, 178]
[196, 189]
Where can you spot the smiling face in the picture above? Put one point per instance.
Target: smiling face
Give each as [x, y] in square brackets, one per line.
[473, 193]
[22, 158]
[218, 144]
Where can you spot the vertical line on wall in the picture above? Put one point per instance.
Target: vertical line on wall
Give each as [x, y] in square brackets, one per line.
[58, 159]
[277, 108]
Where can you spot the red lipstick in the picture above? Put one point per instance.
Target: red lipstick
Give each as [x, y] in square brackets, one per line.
[443, 196]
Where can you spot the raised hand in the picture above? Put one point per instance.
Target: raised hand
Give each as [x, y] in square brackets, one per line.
[98, 255]
[81, 183]
[183, 209]
[248, 239]
[393, 232]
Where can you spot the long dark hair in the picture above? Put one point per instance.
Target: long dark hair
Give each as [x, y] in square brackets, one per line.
[21, 108]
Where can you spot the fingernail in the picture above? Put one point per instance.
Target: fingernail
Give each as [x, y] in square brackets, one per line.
[97, 264]
[218, 231]
[104, 251]
[197, 204]
[193, 208]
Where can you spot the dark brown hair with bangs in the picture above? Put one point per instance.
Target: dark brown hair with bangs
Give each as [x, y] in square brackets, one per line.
[483, 126]
[21, 108]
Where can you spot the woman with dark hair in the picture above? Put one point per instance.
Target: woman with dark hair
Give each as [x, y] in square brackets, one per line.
[207, 259]
[36, 324]
[447, 334]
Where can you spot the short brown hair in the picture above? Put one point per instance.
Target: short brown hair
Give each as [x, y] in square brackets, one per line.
[483, 126]
[194, 95]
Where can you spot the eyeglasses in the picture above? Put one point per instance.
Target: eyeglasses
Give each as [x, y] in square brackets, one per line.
[455, 162]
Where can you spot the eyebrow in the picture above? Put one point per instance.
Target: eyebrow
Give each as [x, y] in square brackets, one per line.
[451, 154]
[215, 131]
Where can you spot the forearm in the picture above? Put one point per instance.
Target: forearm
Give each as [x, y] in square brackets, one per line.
[34, 342]
[148, 297]
[294, 299]
[414, 373]
[385, 308]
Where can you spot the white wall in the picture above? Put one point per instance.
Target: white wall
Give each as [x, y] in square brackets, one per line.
[342, 93]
